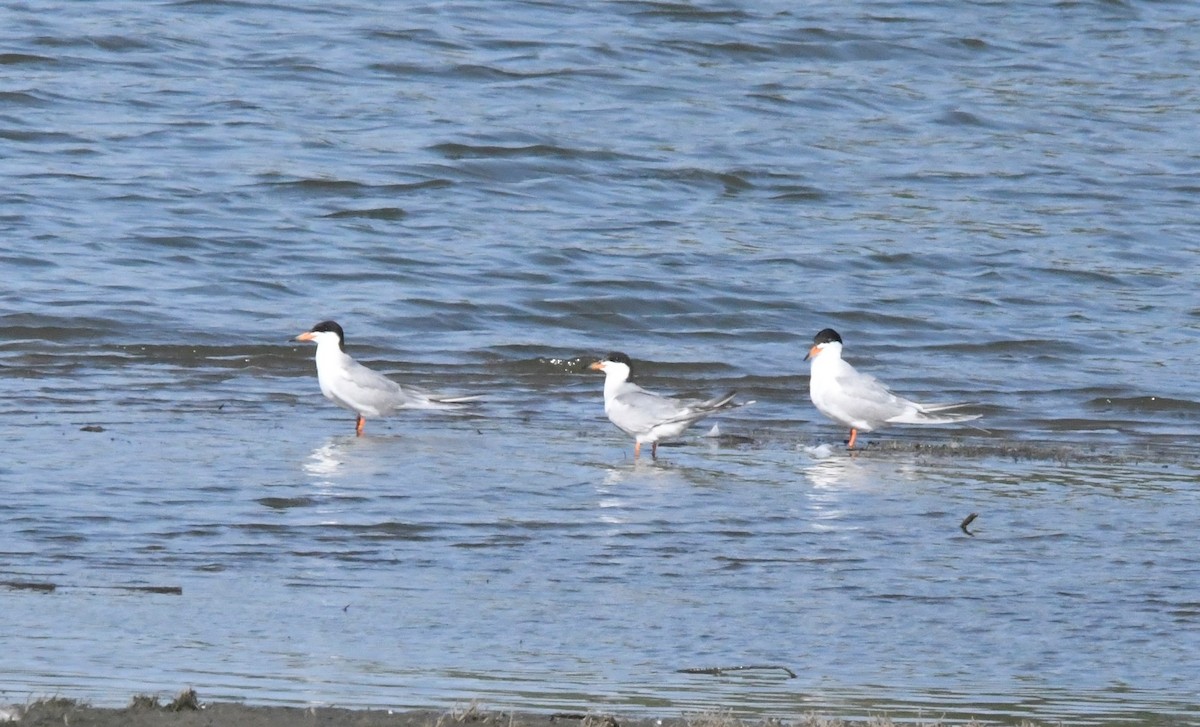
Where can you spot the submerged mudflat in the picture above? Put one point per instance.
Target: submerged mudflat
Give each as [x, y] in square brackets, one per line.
[52, 713]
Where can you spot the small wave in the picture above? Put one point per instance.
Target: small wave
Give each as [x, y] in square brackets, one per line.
[688, 12]
[115, 43]
[16, 59]
[37, 327]
[286, 503]
[1144, 404]
[732, 182]
[353, 188]
[455, 150]
[548, 365]
[378, 213]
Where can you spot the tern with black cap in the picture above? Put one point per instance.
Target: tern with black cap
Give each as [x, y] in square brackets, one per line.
[860, 401]
[367, 393]
[648, 417]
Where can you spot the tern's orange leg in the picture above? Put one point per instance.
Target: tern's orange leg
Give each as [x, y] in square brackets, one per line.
[358, 426]
[853, 437]
[637, 449]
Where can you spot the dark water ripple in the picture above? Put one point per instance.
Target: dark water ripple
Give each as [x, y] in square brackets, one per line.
[992, 202]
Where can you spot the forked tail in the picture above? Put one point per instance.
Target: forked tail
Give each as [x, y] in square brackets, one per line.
[723, 402]
[935, 414]
[454, 402]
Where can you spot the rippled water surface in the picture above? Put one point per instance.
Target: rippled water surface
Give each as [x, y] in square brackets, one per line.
[993, 202]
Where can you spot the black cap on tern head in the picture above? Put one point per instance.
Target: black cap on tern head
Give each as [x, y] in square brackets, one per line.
[827, 335]
[325, 326]
[619, 358]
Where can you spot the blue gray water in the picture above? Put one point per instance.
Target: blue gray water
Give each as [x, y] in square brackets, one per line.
[994, 202]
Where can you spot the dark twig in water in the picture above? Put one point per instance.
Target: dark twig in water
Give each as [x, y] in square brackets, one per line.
[720, 670]
[967, 521]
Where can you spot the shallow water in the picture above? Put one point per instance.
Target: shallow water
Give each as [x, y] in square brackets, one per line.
[991, 202]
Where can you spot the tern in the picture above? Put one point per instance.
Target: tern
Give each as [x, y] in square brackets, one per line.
[860, 401]
[353, 386]
[644, 415]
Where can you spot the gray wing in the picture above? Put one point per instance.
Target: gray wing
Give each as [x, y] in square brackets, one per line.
[868, 388]
[869, 399]
[644, 409]
[361, 384]
[385, 395]
[636, 410]
[866, 397]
